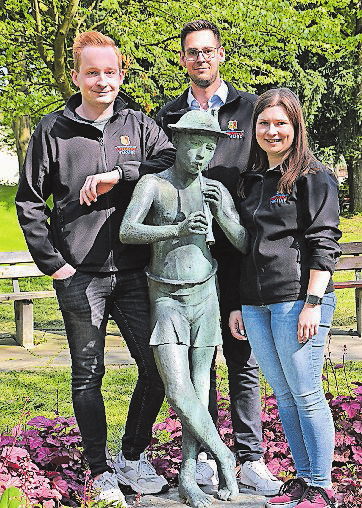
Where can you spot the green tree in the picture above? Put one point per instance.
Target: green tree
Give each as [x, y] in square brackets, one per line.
[314, 47]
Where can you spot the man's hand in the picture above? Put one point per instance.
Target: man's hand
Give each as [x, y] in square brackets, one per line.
[236, 325]
[95, 185]
[64, 272]
[194, 224]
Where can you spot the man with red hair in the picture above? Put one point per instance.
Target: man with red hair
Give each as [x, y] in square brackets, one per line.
[95, 276]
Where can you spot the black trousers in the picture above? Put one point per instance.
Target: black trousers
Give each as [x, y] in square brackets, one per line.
[243, 370]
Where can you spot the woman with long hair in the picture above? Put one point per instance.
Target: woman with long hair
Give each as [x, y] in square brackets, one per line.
[289, 205]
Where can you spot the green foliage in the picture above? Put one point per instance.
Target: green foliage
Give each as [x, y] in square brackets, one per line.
[13, 498]
[267, 44]
[313, 47]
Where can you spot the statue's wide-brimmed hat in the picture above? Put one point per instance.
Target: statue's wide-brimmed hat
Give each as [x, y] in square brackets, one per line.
[198, 122]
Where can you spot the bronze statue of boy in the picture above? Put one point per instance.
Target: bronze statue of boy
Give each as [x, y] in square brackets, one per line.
[171, 211]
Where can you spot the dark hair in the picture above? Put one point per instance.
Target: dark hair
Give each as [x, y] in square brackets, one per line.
[299, 156]
[197, 26]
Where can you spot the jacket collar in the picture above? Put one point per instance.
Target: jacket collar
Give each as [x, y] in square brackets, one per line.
[181, 105]
[75, 101]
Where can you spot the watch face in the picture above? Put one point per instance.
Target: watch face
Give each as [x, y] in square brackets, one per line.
[313, 300]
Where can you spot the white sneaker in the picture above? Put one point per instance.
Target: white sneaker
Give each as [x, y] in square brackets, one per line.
[106, 489]
[254, 475]
[206, 470]
[140, 475]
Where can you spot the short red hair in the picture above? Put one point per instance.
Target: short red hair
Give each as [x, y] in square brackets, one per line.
[92, 38]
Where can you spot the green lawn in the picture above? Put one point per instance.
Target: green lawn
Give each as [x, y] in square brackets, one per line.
[11, 237]
[46, 392]
[345, 314]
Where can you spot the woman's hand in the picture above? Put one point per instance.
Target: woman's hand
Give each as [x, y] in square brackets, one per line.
[308, 322]
[236, 325]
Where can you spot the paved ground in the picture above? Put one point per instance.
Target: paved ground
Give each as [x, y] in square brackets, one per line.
[171, 500]
[55, 353]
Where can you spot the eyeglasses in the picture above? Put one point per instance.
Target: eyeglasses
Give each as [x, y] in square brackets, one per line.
[191, 55]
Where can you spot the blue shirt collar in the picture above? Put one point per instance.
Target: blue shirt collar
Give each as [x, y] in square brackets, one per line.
[215, 102]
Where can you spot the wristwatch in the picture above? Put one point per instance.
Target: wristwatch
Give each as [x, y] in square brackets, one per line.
[120, 171]
[313, 300]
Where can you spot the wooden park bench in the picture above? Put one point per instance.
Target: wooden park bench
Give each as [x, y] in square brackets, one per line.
[351, 259]
[15, 266]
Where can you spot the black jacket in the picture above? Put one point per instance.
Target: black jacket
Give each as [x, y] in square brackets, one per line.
[232, 153]
[62, 152]
[290, 234]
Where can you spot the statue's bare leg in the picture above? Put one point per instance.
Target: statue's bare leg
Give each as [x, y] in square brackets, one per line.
[178, 374]
[188, 489]
[173, 364]
[200, 375]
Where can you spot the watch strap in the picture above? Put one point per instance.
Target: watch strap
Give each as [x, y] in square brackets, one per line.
[313, 299]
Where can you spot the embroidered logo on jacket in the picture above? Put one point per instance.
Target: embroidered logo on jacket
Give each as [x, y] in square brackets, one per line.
[232, 132]
[279, 199]
[125, 140]
[125, 147]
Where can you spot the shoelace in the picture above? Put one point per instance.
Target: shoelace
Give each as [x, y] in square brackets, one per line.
[312, 493]
[108, 481]
[291, 485]
[146, 467]
[259, 469]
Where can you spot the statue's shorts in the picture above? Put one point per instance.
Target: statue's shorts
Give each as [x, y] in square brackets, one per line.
[186, 313]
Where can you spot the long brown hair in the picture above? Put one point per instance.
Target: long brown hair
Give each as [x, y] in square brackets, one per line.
[298, 158]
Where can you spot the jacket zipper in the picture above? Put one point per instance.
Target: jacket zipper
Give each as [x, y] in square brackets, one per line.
[258, 285]
[104, 158]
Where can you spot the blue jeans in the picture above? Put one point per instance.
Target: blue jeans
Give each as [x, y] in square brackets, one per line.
[294, 371]
[86, 301]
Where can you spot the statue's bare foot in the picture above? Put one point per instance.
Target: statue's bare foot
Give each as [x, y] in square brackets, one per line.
[228, 487]
[191, 494]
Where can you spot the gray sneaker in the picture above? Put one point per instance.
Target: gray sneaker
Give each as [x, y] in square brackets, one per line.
[106, 488]
[206, 470]
[140, 475]
[255, 476]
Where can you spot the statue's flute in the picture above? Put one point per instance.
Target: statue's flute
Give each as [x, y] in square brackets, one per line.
[210, 240]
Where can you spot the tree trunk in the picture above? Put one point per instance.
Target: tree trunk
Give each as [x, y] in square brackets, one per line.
[356, 182]
[357, 163]
[355, 177]
[22, 131]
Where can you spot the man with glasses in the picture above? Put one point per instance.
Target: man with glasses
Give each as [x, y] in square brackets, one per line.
[201, 54]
